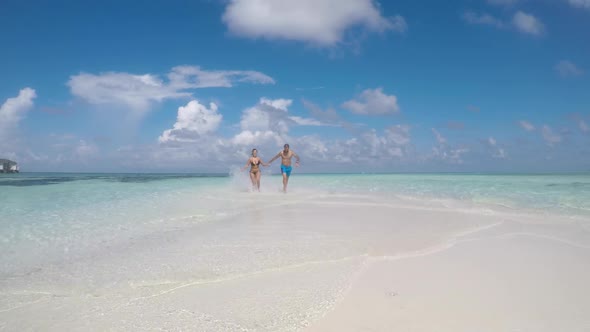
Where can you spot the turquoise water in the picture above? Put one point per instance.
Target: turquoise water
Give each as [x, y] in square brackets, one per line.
[52, 216]
[557, 193]
[31, 197]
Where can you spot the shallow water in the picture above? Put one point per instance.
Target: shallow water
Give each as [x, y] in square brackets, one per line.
[102, 247]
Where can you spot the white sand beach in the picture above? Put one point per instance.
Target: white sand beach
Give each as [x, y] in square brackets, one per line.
[318, 261]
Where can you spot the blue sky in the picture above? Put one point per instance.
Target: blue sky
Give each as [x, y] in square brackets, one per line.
[352, 85]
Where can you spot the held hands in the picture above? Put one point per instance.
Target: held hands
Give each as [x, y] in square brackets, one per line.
[297, 163]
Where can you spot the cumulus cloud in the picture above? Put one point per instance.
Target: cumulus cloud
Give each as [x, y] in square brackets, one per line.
[267, 126]
[320, 22]
[134, 91]
[12, 112]
[84, 150]
[439, 138]
[193, 121]
[267, 115]
[329, 116]
[566, 68]
[372, 102]
[273, 115]
[14, 109]
[585, 4]
[550, 137]
[398, 135]
[192, 77]
[527, 23]
[305, 121]
[495, 150]
[64, 152]
[526, 125]
[445, 152]
[138, 92]
[583, 126]
[521, 21]
[250, 138]
[483, 19]
[372, 147]
[451, 155]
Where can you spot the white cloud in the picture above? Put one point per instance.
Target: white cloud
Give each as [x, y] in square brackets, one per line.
[566, 68]
[484, 19]
[134, 91]
[192, 77]
[373, 102]
[439, 138]
[281, 104]
[523, 22]
[320, 22]
[329, 116]
[267, 115]
[266, 126]
[527, 23]
[273, 115]
[445, 152]
[496, 151]
[501, 154]
[64, 152]
[451, 155]
[313, 148]
[306, 121]
[526, 125]
[248, 137]
[84, 150]
[398, 134]
[549, 136]
[138, 92]
[13, 110]
[193, 121]
[376, 148]
[580, 3]
[583, 126]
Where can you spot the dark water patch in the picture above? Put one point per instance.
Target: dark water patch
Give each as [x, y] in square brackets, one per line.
[571, 184]
[29, 180]
[142, 178]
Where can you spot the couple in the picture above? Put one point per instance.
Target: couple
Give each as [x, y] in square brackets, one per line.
[286, 155]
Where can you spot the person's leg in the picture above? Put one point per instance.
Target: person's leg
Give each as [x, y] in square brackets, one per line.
[253, 179]
[285, 181]
[258, 174]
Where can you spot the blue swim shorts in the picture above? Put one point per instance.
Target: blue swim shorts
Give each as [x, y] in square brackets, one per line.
[286, 169]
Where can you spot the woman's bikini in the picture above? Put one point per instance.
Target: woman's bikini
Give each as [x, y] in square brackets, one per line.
[254, 169]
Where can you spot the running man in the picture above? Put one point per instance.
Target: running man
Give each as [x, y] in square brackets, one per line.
[286, 156]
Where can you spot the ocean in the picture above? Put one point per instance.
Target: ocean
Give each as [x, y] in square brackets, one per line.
[101, 244]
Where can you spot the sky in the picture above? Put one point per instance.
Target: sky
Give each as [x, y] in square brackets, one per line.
[351, 85]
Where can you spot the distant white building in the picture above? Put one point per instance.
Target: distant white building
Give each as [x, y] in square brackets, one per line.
[8, 166]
